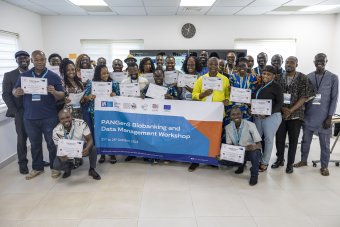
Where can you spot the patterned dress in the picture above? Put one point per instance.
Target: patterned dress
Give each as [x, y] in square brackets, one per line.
[76, 110]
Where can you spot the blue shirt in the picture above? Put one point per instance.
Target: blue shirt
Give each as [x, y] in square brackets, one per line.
[46, 107]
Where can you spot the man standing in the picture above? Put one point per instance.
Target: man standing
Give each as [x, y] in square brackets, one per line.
[204, 60]
[15, 107]
[160, 59]
[117, 65]
[319, 112]
[277, 62]
[40, 112]
[262, 60]
[231, 63]
[297, 90]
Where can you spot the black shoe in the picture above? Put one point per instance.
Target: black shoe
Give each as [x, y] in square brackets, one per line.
[239, 170]
[129, 158]
[193, 167]
[77, 162]
[113, 159]
[253, 180]
[289, 169]
[102, 159]
[46, 164]
[23, 169]
[67, 173]
[94, 174]
[277, 164]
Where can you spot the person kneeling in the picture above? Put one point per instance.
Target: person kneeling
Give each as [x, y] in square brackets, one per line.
[73, 129]
[243, 133]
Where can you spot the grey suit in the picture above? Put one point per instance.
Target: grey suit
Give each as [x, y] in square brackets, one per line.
[15, 110]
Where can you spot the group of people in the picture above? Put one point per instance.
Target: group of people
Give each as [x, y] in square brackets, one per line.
[298, 100]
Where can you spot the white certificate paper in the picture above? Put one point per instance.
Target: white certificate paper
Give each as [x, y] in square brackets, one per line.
[70, 148]
[240, 95]
[156, 92]
[54, 69]
[119, 76]
[102, 89]
[75, 99]
[214, 83]
[37, 86]
[186, 80]
[149, 77]
[232, 153]
[86, 74]
[170, 77]
[261, 106]
[129, 90]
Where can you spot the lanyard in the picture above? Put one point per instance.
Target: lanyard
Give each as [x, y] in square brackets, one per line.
[238, 132]
[72, 133]
[261, 88]
[232, 70]
[33, 74]
[316, 81]
[258, 71]
[245, 82]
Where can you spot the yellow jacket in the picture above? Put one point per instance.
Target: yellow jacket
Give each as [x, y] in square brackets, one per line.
[217, 96]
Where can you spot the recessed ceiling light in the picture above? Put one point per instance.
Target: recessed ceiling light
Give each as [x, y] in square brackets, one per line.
[89, 2]
[197, 2]
[317, 8]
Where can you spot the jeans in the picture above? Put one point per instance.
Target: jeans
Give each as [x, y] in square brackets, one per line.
[267, 128]
[254, 158]
[293, 128]
[35, 129]
[21, 138]
[324, 140]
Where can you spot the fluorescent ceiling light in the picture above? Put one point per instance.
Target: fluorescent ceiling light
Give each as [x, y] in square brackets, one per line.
[89, 2]
[319, 8]
[197, 2]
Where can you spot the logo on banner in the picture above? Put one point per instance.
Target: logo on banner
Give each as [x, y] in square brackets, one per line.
[106, 104]
[126, 106]
[144, 106]
[117, 105]
[155, 107]
[167, 108]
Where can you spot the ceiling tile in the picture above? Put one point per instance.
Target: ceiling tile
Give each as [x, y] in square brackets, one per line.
[303, 2]
[41, 10]
[232, 2]
[268, 2]
[256, 10]
[190, 11]
[331, 2]
[130, 11]
[221, 11]
[174, 3]
[160, 11]
[122, 3]
[20, 2]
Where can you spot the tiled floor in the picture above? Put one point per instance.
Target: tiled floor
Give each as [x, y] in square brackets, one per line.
[138, 194]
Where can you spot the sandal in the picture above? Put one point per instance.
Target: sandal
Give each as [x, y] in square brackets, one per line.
[263, 168]
[324, 171]
[300, 164]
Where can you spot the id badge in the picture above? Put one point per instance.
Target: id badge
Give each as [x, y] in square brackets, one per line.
[286, 98]
[317, 99]
[36, 98]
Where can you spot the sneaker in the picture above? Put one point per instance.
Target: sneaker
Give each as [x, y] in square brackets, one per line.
[33, 174]
[193, 167]
[55, 173]
[253, 180]
[324, 171]
[300, 164]
[94, 174]
[23, 169]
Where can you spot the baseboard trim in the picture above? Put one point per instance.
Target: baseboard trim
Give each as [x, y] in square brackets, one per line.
[8, 161]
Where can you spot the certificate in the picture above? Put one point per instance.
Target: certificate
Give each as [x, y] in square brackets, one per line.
[70, 148]
[214, 83]
[75, 99]
[149, 77]
[156, 92]
[129, 90]
[261, 106]
[86, 74]
[170, 77]
[232, 153]
[54, 69]
[37, 86]
[186, 80]
[102, 89]
[119, 76]
[240, 95]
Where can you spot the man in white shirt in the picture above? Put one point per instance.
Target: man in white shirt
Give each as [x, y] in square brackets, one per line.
[134, 78]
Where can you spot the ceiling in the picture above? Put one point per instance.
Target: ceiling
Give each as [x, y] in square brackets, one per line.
[172, 8]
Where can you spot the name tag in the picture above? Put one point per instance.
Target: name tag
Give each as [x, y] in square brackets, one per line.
[286, 98]
[317, 99]
[36, 98]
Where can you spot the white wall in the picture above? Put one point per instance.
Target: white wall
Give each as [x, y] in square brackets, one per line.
[62, 34]
[28, 25]
[336, 51]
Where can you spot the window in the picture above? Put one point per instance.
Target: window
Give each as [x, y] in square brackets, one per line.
[110, 49]
[285, 47]
[8, 47]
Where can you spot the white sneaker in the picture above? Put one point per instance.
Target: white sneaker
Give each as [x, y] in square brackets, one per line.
[33, 174]
[55, 173]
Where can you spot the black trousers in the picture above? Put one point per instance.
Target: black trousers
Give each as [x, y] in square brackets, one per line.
[293, 128]
[21, 138]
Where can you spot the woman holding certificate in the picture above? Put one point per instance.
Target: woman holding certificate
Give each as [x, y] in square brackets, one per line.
[267, 125]
[101, 85]
[191, 67]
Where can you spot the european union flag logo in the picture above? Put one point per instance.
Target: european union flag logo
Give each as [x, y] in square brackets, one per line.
[167, 107]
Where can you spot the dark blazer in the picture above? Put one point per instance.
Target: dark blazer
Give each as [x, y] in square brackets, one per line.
[13, 104]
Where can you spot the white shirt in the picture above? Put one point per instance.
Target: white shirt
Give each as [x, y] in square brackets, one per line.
[142, 82]
[80, 128]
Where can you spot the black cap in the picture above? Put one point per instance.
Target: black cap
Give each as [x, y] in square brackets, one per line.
[21, 53]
